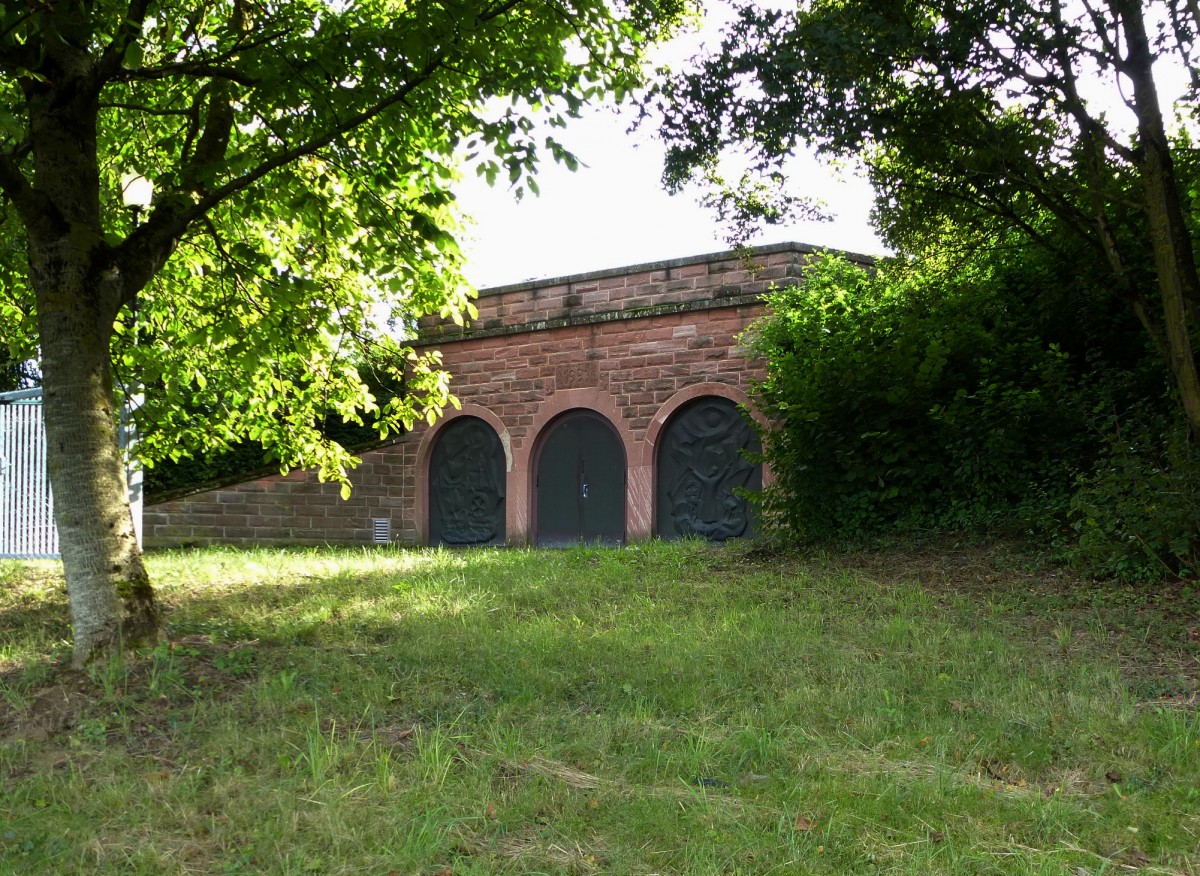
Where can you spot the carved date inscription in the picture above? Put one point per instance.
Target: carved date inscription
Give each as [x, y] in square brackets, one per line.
[579, 375]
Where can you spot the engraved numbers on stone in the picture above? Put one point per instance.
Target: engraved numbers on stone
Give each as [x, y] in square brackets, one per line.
[579, 375]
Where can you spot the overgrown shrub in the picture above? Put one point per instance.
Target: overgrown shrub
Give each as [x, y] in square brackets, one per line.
[922, 399]
[910, 402]
[1136, 515]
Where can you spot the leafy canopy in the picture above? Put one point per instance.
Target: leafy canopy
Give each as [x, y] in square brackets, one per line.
[997, 108]
[1040, 188]
[1040, 121]
[303, 156]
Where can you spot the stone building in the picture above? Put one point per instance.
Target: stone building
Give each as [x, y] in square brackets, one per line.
[597, 407]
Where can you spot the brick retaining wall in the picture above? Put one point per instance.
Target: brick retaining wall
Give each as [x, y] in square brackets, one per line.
[633, 344]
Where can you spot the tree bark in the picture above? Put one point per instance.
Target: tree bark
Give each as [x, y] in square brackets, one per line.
[80, 290]
[1174, 260]
[113, 606]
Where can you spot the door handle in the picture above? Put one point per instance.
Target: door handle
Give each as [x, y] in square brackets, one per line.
[585, 493]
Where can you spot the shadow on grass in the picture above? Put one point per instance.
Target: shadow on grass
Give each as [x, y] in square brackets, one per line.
[660, 708]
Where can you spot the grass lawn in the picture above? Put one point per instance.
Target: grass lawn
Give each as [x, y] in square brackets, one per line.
[656, 709]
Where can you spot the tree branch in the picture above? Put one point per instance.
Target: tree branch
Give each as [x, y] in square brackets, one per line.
[214, 139]
[198, 69]
[1185, 35]
[1093, 135]
[213, 67]
[146, 249]
[1193, 9]
[35, 210]
[141, 108]
[1107, 43]
[127, 34]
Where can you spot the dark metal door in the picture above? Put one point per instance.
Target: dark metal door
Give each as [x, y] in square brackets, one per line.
[700, 467]
[466, 485]
[581, 483]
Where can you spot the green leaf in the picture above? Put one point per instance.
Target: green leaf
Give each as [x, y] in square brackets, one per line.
[134, 55]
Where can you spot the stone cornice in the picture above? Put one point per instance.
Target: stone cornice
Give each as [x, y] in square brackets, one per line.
[541, 325]
[669, 264]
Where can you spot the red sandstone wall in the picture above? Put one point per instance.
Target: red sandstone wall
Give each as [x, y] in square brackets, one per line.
[633, 344]
[638, 363]
[633, 371]
[681, 281]
[292, 510]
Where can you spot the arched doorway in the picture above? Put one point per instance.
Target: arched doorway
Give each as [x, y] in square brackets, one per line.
[580, 487]
[700, 468]
[466, 485]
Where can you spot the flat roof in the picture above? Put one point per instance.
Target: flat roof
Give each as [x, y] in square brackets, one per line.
[664, 264]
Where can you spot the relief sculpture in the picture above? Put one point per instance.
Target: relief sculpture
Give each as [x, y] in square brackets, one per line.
[466, 486]
[701, 468]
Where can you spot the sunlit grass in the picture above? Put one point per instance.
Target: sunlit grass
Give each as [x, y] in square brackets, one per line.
[657, 709]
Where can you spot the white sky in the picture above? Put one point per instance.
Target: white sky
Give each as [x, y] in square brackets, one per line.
[613, 211]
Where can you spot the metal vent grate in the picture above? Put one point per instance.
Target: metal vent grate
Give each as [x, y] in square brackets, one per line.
[381, 530]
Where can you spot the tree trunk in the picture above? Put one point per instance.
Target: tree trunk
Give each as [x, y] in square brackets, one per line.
[79, 292]
[1174, 260]
[1176, 278]
[113, 606]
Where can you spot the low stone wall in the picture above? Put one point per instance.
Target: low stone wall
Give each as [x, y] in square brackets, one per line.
[293, 510]
[633, 345]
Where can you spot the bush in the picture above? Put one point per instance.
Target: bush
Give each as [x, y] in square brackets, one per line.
[1137, 514]
[907, 402]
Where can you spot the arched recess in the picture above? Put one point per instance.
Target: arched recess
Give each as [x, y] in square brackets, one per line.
[467, 484]
[691, 393]
[700, 469]
[579, 481]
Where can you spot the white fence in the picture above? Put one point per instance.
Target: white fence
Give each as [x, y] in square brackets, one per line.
[26, 503]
